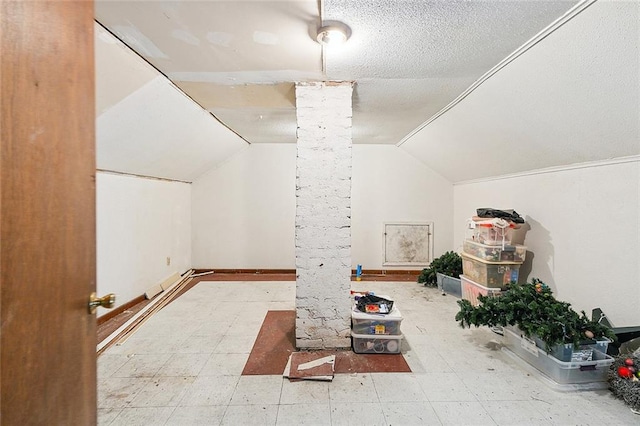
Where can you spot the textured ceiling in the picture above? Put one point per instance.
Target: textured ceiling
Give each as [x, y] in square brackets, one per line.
[572, 98]
[409, 59]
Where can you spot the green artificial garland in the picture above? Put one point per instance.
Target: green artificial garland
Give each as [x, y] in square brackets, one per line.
[533, 309]
[449, 264]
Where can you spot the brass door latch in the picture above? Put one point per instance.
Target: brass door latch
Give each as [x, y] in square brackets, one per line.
[105, 301]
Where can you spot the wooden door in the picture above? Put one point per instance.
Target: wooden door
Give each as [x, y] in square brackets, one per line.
[47, 213]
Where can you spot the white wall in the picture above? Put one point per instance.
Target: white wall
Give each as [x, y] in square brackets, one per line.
[244, 210]
[584, 231]
[390, 185]
[140, 222]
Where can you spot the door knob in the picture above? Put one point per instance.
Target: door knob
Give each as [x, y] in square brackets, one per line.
[105, 301]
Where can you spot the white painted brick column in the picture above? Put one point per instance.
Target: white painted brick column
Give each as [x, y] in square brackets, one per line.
[323, 215]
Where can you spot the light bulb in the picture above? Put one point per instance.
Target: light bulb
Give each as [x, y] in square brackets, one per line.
[331, 35]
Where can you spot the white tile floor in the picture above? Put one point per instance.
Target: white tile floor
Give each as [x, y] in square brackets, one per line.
[183, 368]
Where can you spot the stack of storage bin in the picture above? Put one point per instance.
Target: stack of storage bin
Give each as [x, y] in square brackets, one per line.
[376, 333]
[489, 261]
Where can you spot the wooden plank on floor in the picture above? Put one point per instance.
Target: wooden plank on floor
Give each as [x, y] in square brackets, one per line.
[153, 291]
[169, 281]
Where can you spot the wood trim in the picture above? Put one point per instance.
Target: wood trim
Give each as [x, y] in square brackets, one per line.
[120, 309]
[246, 271]
[293, 271]
[389, 271]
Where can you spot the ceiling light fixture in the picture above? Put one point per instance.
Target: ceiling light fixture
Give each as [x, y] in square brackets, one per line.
[333, 33]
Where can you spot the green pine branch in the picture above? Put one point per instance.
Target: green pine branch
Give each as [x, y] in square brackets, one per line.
[449, 264]
[533, 309]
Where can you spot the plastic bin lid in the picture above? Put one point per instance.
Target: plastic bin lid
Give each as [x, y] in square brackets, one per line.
[507, 247]
[488, 289]
[489, 262]
[377, 336]
[394, 315]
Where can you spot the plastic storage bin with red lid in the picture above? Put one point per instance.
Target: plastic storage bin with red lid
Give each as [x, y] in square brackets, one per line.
[493, 232]
[471, 290]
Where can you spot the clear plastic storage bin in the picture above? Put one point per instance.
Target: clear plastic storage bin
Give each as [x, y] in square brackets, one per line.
[363, 323]
[450, 285]
[508, 253]
[485, 233]
[367, 344]
[489, 274]
[567, 352]
[560, 372]
[471, 290]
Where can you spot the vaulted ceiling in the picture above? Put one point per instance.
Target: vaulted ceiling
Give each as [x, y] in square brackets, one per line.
[471, 88]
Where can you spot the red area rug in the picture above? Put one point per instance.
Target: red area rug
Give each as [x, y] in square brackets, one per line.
[276, 341]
